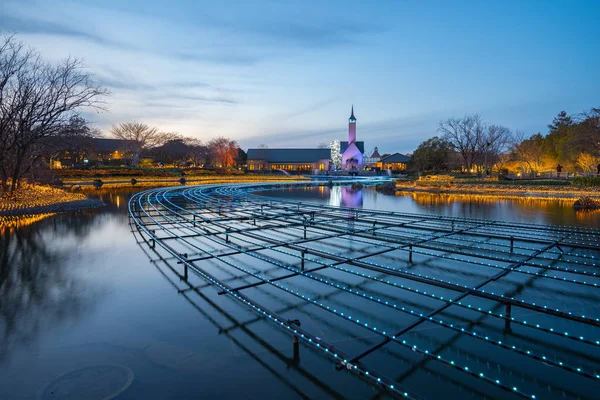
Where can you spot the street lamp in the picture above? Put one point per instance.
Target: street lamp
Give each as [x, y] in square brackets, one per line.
[487, 146]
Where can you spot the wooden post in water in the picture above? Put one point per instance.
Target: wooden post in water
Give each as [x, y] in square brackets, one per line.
[296, 350]
[508, 317]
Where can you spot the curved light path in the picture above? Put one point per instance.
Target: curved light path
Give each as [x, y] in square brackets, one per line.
[502, 303]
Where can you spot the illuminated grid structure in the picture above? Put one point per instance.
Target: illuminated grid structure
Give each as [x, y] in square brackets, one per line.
[420, 306]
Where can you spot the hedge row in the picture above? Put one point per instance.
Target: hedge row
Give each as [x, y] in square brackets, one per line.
[586, 181]
[139, 172]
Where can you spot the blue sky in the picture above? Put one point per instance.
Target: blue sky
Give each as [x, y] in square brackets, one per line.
[285, 73]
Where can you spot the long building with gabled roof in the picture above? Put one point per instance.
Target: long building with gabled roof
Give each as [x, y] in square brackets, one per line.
[302, 160]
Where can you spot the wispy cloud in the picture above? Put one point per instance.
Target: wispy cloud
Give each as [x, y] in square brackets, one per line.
[38, 26]
[230, 59]
[305, 33]
[304, 110]
[285, 72]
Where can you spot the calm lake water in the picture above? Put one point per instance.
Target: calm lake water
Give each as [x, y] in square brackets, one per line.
[77, 291]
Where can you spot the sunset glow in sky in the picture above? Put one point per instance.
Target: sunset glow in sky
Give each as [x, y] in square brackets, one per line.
[285, 73]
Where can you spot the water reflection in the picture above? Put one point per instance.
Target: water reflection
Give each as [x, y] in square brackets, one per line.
[38, 289]
[42, 267]
[47, 281]
[226, 322]
[9, 224]
[515, 208]
[502, 208]
[350, 197]
[114, 196]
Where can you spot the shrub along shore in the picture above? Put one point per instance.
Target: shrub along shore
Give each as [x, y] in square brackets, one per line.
[31, 200]
[559, 189]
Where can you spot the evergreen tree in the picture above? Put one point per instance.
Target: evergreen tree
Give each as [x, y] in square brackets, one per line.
[561, 120]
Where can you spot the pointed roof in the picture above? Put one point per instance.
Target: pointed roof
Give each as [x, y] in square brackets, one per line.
[359, 143]
[352, 117]
[395, 158]
[375, 153]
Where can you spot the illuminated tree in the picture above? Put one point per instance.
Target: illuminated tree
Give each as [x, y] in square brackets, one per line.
[588, 162]
[336, 154]
[223, 152]
[530, 152]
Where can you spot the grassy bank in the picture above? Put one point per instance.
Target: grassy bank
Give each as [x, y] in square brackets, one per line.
[130, 172]
[32, 201]
[35, 202]
[547, 189]
[189, 179]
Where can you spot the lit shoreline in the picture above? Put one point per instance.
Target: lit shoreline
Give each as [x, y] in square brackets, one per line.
[551, 194]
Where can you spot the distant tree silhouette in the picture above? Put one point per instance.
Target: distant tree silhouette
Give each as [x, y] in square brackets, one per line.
[138, 137]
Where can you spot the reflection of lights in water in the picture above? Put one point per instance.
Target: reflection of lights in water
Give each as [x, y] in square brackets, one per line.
[335, 196]
[351, 198]
[118, 201]
[344, 196]
[547, 204]
[9, 224]
[447, 198]
[29, 196]
[584, 215]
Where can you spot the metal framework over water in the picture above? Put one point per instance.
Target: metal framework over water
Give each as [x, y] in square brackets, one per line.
[490, 308]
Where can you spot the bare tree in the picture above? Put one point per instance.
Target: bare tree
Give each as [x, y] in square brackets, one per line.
[13, 60]
[37, 101]
[465, 135]
[495, 141]
[137, 137]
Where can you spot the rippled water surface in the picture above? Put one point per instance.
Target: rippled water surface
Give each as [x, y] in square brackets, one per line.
[77, 291]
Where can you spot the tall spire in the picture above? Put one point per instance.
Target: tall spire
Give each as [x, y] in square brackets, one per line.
[352, 117]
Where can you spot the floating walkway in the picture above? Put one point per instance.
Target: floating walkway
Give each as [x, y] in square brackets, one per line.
[492, 309]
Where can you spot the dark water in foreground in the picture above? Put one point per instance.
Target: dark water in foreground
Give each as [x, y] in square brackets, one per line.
[76, 291]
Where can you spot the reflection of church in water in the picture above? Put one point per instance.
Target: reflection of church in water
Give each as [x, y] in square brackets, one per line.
[344, 196]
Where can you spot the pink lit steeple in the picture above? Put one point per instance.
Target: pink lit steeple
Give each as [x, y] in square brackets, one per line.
[352, 127]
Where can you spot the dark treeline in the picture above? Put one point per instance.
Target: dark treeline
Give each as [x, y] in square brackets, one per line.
[41, 106]
[473, 145]
[172, 148]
